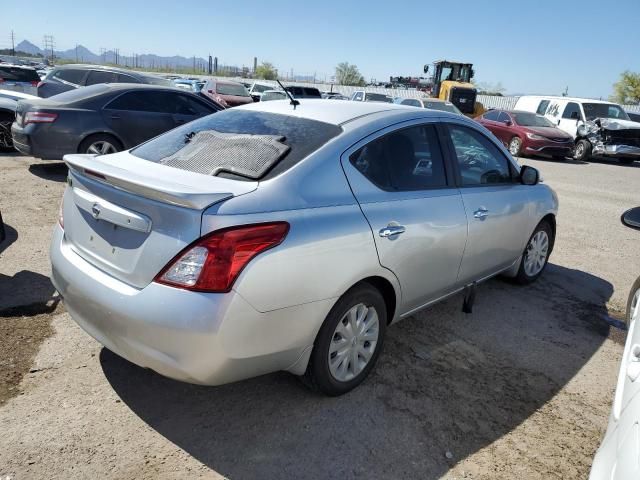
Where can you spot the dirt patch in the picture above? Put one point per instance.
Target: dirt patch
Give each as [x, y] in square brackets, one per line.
[22, 331]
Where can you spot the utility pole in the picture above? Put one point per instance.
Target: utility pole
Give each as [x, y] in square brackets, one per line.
[13, 44]
[117, 54]
[76, 53]
[103, 55]
[48, 44]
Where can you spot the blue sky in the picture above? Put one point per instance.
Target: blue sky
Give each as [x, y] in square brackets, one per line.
[530, 47]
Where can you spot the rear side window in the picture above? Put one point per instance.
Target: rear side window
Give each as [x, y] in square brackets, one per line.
[479, 160]
[542, 107]
[405, 160]
[71, 75]
[16, 74]
[358, 96]
[97, 76]
[160, 102]
[303, 137]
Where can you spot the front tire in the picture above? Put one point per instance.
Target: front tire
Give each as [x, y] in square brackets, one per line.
[536, 254]
[349, 342]
[515, 146]
[583, 150]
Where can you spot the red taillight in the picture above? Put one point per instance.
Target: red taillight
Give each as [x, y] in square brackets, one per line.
[38, 84]
[214, 262]
[35, 83]
[39, 117]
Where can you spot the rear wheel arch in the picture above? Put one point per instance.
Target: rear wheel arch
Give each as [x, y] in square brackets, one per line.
[386, 289]
[98, 134]
[550, 218]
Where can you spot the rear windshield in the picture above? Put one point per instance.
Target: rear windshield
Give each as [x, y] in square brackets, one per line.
[261, 88]
[302, 137]
[237, 90]
[17, 74]
[77, 94]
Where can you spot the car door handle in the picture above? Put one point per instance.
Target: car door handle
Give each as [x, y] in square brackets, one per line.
[391, 230]
[633, 368]
[115, 117]
[481, 213]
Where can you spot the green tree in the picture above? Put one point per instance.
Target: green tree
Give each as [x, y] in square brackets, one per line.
[266, 71]
[627, 89]
[348, 74]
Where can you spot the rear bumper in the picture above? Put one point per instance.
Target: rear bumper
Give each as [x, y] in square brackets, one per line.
[41, 142]
[203, 338]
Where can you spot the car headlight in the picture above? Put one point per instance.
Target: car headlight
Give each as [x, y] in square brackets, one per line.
[533, 136]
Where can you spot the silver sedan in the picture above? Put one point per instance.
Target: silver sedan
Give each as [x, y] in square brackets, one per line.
[288, 237]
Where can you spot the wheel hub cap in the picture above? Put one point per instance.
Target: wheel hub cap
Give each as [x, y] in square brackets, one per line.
[536, 253]
[354, 342]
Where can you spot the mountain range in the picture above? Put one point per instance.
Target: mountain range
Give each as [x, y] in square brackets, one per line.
[83, 55]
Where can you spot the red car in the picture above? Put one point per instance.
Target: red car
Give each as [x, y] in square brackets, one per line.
[227, 94]
[526, 133]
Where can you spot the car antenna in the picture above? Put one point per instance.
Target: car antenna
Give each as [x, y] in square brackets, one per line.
[293, 102]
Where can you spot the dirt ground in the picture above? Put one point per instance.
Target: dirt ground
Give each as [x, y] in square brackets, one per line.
[521, 388]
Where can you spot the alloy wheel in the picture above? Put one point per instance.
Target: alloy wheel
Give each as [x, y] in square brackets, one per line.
[536, 253]
[514, 146]
[354, 342]
[101, 148]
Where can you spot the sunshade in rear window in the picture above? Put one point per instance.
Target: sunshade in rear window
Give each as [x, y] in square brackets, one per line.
[273, 143]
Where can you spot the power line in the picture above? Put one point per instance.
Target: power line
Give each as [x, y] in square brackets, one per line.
[48, 44]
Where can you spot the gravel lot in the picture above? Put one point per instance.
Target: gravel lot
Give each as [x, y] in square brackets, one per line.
[521, 388]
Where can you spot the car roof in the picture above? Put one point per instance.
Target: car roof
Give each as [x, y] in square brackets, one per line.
[12, 65]
[569, 99]
[327, 111]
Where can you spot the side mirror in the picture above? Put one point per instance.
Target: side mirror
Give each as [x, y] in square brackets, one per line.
[529, 175]
[631, 218]
[508, 123]
[426, 68]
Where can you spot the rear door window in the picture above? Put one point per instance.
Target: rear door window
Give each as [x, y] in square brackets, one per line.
[503, 118]
[303, 136]
[71, 75]
[140, 102]
[405, 160]
[98, 76]
[491, 115]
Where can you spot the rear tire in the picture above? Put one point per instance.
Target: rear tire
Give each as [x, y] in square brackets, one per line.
[583, 150]
[536, 254]
[100, 144]
[634, 298]
[6, 141]
[340, 361]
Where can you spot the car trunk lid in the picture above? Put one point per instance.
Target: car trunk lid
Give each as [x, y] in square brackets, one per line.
[130, 217]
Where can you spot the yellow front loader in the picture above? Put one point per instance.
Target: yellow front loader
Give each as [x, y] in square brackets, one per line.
[452, 82]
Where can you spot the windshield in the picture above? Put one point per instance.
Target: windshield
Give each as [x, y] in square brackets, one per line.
[303, 136]
[153, 80]
[446, 107]
[235, 89]
[604, 110]
[526, 119]
[261, 88]
[377, 97]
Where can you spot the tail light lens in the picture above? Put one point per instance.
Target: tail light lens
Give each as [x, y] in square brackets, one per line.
[213, 263]
[39, 84]
[35, 83]
[39, 117]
